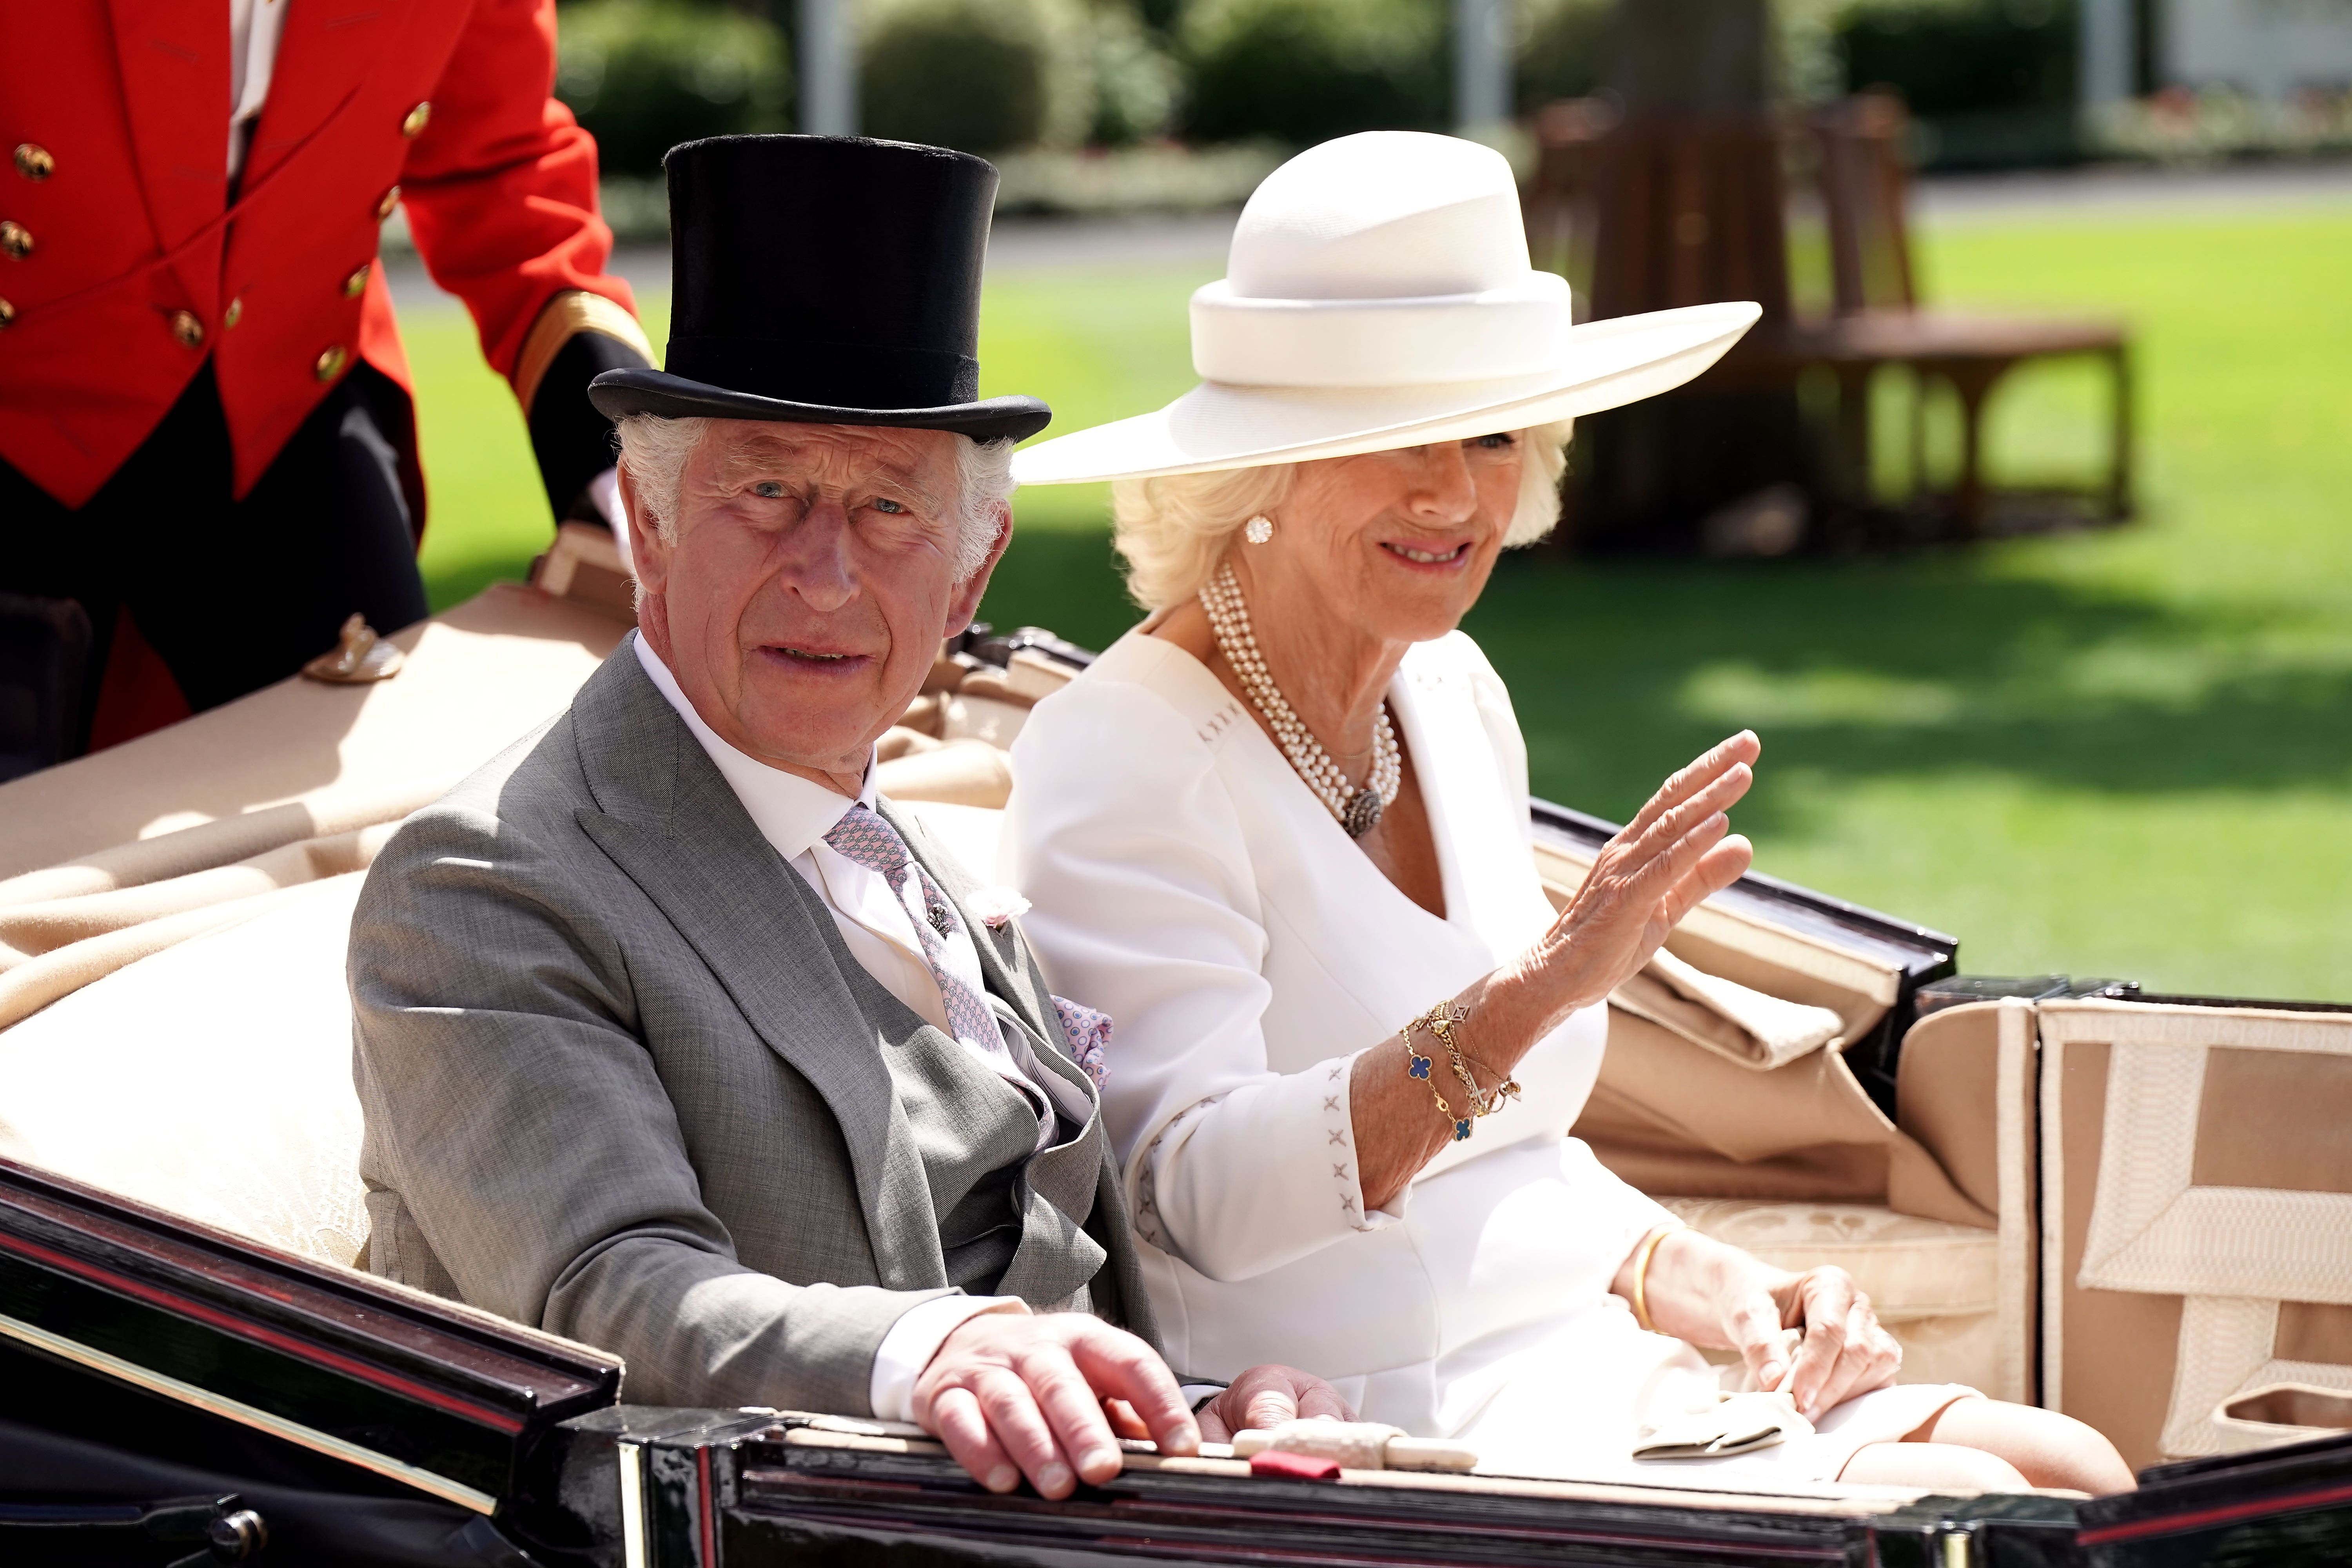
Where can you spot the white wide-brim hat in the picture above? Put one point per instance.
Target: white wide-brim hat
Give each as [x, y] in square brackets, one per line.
[1378, 295]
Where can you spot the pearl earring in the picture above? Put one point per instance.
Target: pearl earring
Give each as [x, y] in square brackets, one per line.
[1259, 530]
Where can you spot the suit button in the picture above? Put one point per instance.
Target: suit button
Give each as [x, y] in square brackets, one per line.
[356, 284]
[7, 314]
[187, 330]
[330, 363]
[15, 239]
[391, 200]
[33, 162]
[415, 123]
[234, 314]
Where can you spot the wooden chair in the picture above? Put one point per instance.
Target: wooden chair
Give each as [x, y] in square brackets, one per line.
[1652, 213]
[1877, 317]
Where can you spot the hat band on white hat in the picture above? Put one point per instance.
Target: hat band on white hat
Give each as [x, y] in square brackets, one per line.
[1517, 330]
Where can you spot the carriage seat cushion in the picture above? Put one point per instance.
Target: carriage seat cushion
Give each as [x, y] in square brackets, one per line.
[1911, 1267]
[212, 1079]
[1935, 1284]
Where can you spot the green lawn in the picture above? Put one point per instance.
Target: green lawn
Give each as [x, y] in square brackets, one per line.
[2123, 753]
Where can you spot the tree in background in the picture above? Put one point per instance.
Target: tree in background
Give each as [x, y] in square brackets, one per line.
[1302, 71]
[646, 75]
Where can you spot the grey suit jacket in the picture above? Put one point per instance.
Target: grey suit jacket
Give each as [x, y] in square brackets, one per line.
[623, 1081]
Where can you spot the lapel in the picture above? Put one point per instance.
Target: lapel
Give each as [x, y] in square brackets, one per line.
[173, 56]
[323, 56]
[1001, 963]
[666, 816]
[1485, 861]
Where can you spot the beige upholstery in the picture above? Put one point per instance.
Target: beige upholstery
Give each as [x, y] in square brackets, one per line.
[477, 677]
[1935, 1284]
[212, 1079]
[2196, 1216]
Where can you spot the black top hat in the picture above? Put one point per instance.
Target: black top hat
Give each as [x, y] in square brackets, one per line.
[826, 281]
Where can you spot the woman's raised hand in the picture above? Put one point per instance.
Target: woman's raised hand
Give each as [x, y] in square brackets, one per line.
[1679, 851]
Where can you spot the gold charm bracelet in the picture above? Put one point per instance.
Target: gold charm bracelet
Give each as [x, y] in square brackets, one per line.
[1440, 1021]
[1420, 1066]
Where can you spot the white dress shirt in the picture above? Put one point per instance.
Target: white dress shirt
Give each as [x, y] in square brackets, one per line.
[877, 921]
[253, 29]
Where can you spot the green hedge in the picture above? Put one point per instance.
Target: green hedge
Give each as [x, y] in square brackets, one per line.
[645, 75]
[990, 75]
[1991, 81]
[1563, 50]
[1962, 56]
[1301, 71]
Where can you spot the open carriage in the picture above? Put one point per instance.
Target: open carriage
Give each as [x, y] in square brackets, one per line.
[2134, 1209]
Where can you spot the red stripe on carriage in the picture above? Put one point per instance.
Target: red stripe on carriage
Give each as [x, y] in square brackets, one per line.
[390, 1381]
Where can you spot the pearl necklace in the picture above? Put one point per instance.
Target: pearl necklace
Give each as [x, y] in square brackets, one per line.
[1358, 810]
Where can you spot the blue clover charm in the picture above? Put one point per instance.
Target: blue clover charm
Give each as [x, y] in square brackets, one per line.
[1420, 1067]
[1462, 1130]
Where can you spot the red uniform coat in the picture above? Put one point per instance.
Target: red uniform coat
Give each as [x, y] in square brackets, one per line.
[134, 266]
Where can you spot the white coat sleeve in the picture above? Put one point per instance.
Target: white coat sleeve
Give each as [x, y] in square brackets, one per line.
[1144, 905]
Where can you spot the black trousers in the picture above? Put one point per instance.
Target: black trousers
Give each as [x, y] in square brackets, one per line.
[233, 594]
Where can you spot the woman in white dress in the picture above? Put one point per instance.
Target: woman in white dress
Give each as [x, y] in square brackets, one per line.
[1279, 832]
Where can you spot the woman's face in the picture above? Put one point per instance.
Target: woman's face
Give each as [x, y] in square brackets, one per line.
[1392, 545]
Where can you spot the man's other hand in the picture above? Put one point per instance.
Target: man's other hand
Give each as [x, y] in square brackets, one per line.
[1027, 1391]
[1265, 1397]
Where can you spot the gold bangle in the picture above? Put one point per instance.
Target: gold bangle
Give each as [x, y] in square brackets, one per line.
[1420, 1066]
[1649, 1250]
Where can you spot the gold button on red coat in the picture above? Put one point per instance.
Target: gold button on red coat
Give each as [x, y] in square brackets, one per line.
[187, 330]
[417, 116]
[7, 314]
[391, 200]
[356, 284]
[15, 239]
[331, 361]
[234, 314]
[32, 161]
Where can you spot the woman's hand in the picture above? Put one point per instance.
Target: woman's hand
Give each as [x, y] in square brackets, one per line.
[1812, 1334]
[1655, 871]
[1844, 1351]
[1265, 1397]
[1677, 852]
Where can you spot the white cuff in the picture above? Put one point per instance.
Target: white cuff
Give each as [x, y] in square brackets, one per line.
[914, 1340]
[605, 492]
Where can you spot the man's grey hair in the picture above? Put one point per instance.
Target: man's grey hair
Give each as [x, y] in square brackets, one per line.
[656, 450]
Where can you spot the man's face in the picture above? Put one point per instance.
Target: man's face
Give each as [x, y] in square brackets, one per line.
[809, 579]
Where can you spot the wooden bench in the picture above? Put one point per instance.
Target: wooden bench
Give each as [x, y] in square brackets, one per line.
[1652, 214]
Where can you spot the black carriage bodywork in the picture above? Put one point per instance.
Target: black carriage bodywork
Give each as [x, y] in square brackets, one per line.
[146, 1360]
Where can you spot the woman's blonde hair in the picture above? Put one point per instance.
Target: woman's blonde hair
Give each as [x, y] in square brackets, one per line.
[1173, 531]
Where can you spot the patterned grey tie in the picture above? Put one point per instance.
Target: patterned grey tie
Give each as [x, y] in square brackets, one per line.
[866, 838]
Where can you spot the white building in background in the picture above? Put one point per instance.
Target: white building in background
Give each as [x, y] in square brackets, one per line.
[2270, 48]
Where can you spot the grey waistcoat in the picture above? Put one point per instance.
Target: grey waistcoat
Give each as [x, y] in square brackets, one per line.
[1011, 1222]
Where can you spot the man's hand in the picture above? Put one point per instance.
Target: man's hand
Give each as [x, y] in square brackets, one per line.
[1028, 1392]
[1267, 1396]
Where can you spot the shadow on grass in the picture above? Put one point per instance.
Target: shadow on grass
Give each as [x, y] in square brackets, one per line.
[1622, 673]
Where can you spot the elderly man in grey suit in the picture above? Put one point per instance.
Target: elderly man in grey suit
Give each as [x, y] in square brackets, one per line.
[672, 1036]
